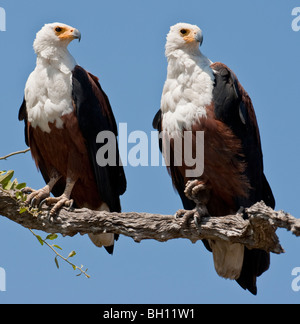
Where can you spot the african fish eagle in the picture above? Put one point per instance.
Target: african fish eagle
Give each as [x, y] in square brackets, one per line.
[64, 109]
[200, 95]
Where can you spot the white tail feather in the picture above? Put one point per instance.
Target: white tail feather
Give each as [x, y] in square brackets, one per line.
[105, 239]
[228, 258]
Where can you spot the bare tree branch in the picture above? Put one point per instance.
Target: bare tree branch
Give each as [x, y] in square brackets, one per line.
[15, 153]
[258, 231]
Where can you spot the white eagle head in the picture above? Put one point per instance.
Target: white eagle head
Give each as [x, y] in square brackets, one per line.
[54, 37]
[183, 36]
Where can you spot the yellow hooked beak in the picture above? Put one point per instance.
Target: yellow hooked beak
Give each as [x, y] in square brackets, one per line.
[194, 36]
[67, 33]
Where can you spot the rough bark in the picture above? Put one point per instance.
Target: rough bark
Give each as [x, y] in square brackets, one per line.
[258, 231]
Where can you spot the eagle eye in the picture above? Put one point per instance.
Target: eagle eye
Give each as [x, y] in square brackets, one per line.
[58, 29]
[183, 31]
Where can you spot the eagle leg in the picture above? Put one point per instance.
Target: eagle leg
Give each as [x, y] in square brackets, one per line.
[36, 196]
[63, 200]
[195, 214]
[198, 191]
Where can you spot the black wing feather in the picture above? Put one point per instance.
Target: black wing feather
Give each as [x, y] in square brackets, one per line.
[234, 107]
[23, 116]
[95, 115]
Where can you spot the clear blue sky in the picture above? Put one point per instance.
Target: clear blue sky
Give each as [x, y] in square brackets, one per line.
[123, 43]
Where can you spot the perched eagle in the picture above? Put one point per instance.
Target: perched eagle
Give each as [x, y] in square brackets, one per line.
[64, 109]
[200, 95]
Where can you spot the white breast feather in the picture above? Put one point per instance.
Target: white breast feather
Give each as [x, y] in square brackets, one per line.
[48, 93]
[187, 90]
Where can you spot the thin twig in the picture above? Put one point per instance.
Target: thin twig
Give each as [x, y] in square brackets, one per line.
[14, 153]
[74, 266]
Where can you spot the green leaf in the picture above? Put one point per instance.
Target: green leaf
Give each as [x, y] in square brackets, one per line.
[23, 210]
[39, 239]
[52, 237]
[8, 185]
[6, 177]
[74, 266]
[21, 186]
[14, 184]
[20, 196]
[56, 246]
[71, 254]
[56, 262]
[11, 185]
